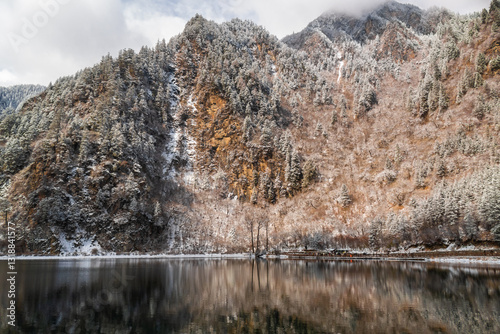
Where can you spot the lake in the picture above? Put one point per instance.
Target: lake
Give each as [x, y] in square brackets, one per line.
[247, 296]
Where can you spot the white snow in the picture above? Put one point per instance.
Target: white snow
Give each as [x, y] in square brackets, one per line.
[134, 256]
[171, 152]
[273, 71]
[81, 243]
[174, 89]
[340, 71]
[467, 260]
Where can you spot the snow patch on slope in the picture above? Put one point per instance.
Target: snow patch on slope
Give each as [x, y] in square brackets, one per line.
[181, 147]
[81, 243]
[341, 66]
[190, 145]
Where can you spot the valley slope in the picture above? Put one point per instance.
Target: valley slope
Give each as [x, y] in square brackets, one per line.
[377, 131]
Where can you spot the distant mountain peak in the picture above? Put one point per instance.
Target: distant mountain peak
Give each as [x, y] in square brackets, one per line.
[368, 24]
[366, 11]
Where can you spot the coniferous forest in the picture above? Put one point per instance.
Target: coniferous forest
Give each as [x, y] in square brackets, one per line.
[379, 131]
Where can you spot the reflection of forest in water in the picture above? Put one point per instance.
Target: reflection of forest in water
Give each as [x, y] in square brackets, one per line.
[238, 296]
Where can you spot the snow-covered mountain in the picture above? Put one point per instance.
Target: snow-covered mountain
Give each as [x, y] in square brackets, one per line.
[376, 131]
[12, 97]
[365, 27]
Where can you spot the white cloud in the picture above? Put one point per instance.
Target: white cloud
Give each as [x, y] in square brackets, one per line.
[283, 17]
[43, 40]
[153, 25]
[7, 78]
[459, 6]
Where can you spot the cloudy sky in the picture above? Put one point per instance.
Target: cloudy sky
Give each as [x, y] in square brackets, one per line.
[41, 40]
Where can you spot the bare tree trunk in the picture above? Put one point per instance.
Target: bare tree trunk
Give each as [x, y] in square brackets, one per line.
[251, 235]
[258, 233]
[267, 235]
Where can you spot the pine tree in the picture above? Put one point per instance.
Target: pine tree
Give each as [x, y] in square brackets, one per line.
[443, 99]
[464, 84]
[494, 6]
[388, 164]
[484, 16]
[489, 205]
[469, 225]
[247, 129]
[295, 171]
[334, 118]
[5, 208]
[441, 169]
[278, 185]
[481, 63]
[375, 234]
[309, 173]
[266, 138]
[452, 50]
[410, 102]
[319, 130]
[254, 198]
[434, 96]
[495, 63]
[495, 231]
[344, 198]
[480, 108]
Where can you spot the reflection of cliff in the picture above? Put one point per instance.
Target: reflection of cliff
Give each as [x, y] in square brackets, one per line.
[150, 296]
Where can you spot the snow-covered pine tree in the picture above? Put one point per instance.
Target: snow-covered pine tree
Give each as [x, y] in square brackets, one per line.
[344, 197]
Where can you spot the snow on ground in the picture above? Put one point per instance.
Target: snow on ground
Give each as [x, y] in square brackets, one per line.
[85, 251]
[481, 260]
[133, 256]
[340, 71]
[79, 244]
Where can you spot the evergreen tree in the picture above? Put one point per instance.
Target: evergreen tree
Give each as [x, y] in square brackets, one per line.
[441, 169]
[310, 173]
[254, 198]
[469, 225]
[484, 16]
[489, 205]
[443, 99]
[295, 171]
[481, 63]
[375, 234]
[344, 198]
[5, 208]
[452, 50]
[334, 118]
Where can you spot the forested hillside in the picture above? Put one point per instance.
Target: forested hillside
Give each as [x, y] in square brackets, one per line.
[11, 97]
[377, 131]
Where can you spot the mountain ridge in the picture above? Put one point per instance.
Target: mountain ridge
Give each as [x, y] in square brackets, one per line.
[13, 96]
[370, 24]
[225, 135]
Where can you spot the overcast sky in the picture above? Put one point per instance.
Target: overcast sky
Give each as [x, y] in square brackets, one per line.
[41, 40]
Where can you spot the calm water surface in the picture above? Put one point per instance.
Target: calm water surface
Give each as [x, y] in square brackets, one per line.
[244, 296]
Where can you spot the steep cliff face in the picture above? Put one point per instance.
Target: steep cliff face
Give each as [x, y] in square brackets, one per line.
[225, 134]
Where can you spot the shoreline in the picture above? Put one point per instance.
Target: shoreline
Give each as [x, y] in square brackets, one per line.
[480, 257]
[129, 256]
